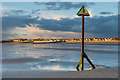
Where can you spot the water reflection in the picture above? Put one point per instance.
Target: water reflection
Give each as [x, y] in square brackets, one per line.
[55, 56]
[56, 67]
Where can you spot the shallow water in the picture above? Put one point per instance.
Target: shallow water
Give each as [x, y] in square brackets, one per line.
[59, 57]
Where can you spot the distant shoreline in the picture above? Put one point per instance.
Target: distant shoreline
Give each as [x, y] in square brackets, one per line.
[96, 42]
[79, 42]
[88, 41]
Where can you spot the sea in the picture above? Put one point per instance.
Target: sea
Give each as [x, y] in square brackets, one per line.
[56, 56]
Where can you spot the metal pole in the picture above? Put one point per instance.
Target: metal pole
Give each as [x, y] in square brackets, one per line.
[82, 43]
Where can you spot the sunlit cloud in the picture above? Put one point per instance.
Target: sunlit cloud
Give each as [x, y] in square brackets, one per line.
[74, 16]
[51, 15]
[3, 8]
[32, 31]
[113, 14]
[90, 12]
[35, 32]
[4, 15]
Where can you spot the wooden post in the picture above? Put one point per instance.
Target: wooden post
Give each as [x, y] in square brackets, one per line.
[82, 44]
[83, 12]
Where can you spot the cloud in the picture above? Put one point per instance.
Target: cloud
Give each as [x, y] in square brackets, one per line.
[52, 15]
[106, 13]
[108, 25]
[95, 25]
[50, 10]
[18, 11]
[10, 22]
[90, 12]
[3, 8]
[37, 3]
[35, 11]
[14, 12]
[32, 31]
[62, 5]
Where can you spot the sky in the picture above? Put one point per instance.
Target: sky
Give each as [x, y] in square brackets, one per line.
[58, 20]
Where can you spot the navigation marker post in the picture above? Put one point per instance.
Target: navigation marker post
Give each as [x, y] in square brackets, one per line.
[83, 12]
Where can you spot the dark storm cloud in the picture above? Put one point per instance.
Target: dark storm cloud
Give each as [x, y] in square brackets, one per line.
[10, 22]
[62, 5]
[93, 25]
[106, 13]
[65, 24]
[14, 12]
[103, 24]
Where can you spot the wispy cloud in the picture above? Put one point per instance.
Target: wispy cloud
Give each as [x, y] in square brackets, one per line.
[18, 11]
[63, 5]
[2, 8]
[51, 15]
[106, 13]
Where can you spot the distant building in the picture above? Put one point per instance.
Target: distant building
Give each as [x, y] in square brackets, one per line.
[18, 40]
[7, 41]
[95, 39]
[90, 39]
[100, 39]
[106, 39]
[109, 39]
[114, 39]
[38, 39]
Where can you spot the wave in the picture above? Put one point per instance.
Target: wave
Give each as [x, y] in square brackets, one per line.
[21, 60]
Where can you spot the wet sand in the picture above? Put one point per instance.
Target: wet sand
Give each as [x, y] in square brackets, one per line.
[97, 73]
[95, 42]
[79, 42]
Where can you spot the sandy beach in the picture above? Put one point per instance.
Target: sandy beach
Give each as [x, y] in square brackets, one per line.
[97, 73]
[95, 42]
[112, 42]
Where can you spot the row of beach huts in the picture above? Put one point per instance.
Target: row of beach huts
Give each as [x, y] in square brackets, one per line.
[39, 40]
